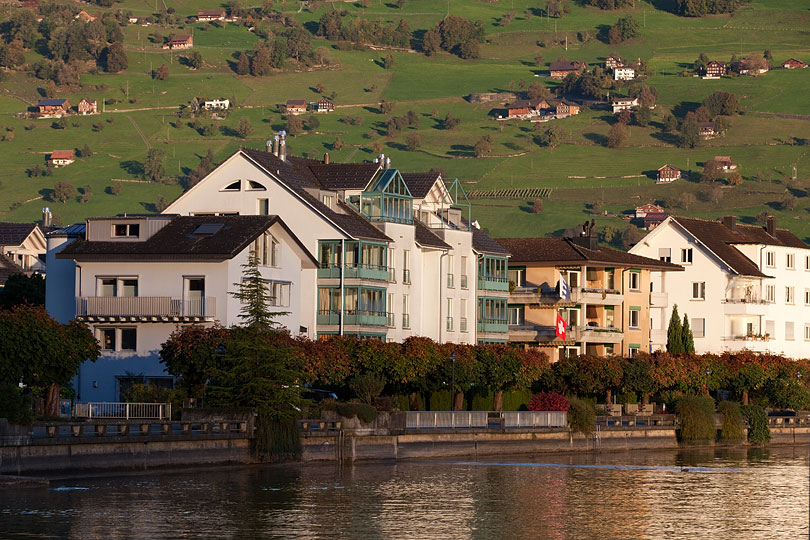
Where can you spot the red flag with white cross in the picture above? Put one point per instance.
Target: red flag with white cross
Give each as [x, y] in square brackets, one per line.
[560, 327]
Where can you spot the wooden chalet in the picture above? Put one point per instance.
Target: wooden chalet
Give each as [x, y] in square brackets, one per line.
[180, 41]
[60, 158]
[207, 15]
[612, 62]
[53, 107]
[707, 129]
[565, 108]
[324, 105]
[725, 163]
[666, 174]
[715, 69]
[649, 208]
[792, 63]
[560, 69]
[296, 106]
[87, 106]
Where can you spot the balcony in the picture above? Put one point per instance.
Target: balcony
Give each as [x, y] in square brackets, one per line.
[391, 321]
[602, 297]
[353, 318]
[528, 332]
[145, 309]
[538, 296]
[492, 283]
[359, 271]
[659, 300]
[598, 334]
[495, 326]
[658, 337]
[392, 275]
[738, 306]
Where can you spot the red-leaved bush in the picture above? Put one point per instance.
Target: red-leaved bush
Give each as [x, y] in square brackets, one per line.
[548, 401]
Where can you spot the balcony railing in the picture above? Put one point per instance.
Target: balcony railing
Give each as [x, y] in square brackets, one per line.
[127, 411]
[591, 295]
[145, 307]
[406, 320]
[392, 275]
[450, 324]
[488, 282]
[406, 277]
[391, 321]
[463, 281]
[450, 281]
[353, 317]
[498, 326]
[462, 324]
[361, 271]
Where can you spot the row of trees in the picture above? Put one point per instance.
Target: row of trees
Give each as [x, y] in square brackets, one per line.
[338, 26]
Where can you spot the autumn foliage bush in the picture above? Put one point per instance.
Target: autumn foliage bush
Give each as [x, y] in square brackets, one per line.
[548, 401]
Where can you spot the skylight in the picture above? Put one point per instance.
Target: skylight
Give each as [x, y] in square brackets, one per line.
[207, 229]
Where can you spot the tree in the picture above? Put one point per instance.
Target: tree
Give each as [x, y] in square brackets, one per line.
[116, 188]
[735, 179]
[670, 123]
[245, 127]
[685, 200]
[153, 169]
[387, 107]
[311, 123]
[260, 64]
[161, 73]
[642, 116]
[41, 352]
[538, 90]
[294, 125]
[85, 151]
[617, 136]
[624, 117]
[114, 58]
[253, 294]
[338, 144]
[690, 134]
[195, 60]
[712, 171]
[675, 332]
[190, 355]
[299, 45]
[243, 64]
[631, 236]
[388, 62]
[625, 28]
[483, 147]
[63, 191]
[536, 206]
[22, 289]
[720, 102]
[450, 122]
[687, 340]
[646, 95]
[788, 201]
[552, 136]
[413, 141]
[700, 64]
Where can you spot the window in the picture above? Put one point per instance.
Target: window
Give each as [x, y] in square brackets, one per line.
[263, 207]
[406, 317]
[635, 280]
[463, 272]
[770, 293]
[255, 186]
[633, 349]
[392, 273]
[770, 259]
[789, 330]
[807, 262]
[686, 256]
[635, 316]
[117, 339]
[450, 314]
[117, 286]
[698, 327]
[699, 290]
[279, 292]
[516, 314]
[807, 297]
[233, 186]
[789, 295]
[106, 338]
[451, 283]
[266, 249]
[108, 287]
[806, 332]
[769, 328]
[126, 230]
[790, 260]
[665, 254]
[406, 266]
[128, 339]
[590, 274]
[327, 200]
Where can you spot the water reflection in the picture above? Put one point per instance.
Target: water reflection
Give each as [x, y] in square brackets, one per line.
[698, 493]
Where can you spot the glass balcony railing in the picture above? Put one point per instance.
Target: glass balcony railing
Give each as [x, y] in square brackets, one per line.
[406, 277]
[406, 320]
[499, 326]
[361, 271]
[488, 282]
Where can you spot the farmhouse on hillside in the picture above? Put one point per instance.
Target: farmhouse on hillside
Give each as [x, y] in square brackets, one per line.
[613, 61]
[53, 107]
[296, 106]
[526, 108]
[560, 69]
[624, 104]
[60, 158]
[564, 108]
[654, 219]
[87, 106]
[324, 105]
[725, 163]
[219, 104]
[180, 41]
[624, 73]
[206, 15]
[707, 129]
[667, 174]
[714, 69]
[649, 208]
[792, 63]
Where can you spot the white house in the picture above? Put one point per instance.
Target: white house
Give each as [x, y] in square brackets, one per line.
[624, 73]
[744, 287]
[216, 104]
[624, 104]
[136, 279]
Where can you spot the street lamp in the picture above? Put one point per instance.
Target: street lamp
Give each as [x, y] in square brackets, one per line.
[708, 374]
[453, 358]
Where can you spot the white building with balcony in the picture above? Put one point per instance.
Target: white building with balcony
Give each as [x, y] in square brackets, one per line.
[136, 279]
[744, 287]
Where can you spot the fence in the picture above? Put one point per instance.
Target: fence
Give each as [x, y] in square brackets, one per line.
[485, 419]
[126, 411]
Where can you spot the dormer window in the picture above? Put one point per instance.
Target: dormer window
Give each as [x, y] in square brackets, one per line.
[327, 200]
[233, 186]
[126, 230]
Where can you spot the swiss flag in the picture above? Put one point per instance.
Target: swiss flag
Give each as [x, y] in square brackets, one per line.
[560, 327]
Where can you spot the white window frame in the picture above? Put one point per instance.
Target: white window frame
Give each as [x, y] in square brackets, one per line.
[686, 255]
[634, 283]
[630, 322]
[790, 261]
[770, 293]
[701, 290]
[698, 330]
[807, 331]
[130, 227]
[770, 259]
[790, 295]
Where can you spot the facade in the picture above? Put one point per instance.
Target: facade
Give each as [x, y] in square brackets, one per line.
[624, 104]
[608, 307]
[725, 163]
[792, 63]
[61, 158]
[707, 129]
[180, 41]
[324, 105]
[87, 106]
[624, 73]
[217, 104]
[53, 107]
[643, 210]
[654, 219]
[565, 108]
[743, 287]
[296, 106]
[715, 69]
[526, 108]
[613, 61]
[136, 279]
[207, 15]
[561, 69]
[666, 174]
[22, 249]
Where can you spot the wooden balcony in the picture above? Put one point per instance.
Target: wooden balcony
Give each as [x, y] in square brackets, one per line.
[145, 309]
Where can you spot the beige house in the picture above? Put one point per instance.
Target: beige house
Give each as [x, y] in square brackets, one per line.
[606, 309]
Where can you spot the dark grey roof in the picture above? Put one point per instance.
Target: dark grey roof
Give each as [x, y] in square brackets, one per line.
[77, 230]
[296, 174]
[344, 175]
[425, 237]
[177, 241]
[419, 184]
[482, 243]
[52, 102]
[14, 234]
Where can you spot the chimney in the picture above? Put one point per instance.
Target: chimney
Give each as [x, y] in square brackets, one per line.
[326, 158]
[730, 222]
[381, 159]
[275, 145]
[268, 145]
[770, 226]
[388, 163]
[282, 145]
[47, 217]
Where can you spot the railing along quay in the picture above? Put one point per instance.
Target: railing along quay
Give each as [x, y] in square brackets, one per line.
[95, 430]
[125, 411]
[653, 420]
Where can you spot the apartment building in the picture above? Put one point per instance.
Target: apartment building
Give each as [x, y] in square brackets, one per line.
[609, 303]
[743, 286]
[135, 279]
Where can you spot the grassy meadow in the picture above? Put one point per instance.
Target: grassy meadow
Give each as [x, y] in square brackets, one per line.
[581, 171]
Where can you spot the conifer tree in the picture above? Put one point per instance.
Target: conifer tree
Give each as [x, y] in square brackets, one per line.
[675, 332]
[687, 339]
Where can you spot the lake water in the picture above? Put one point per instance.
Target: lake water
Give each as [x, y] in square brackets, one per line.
[694, 494]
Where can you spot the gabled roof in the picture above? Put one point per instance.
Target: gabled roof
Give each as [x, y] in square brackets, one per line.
[344, 175]
[425, 237]
[482, 243]
[63, 154]
[566, 66]
[180, 38]
[52, 102]
[296, 103]
[420, 184]
[561, 251]
[669, 167]
[14, 234]
[177, 241]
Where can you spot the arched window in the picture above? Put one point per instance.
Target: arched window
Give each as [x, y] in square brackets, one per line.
[255, 186]
[233, 186]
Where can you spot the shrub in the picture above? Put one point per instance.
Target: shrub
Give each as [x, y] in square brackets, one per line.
[548, 401]
[365, 413]
[733, 428]
[758, 430]
[696, 415]
[581, 416]
[14, 405]
[384, 403]
[151, 393]
[367, 386]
